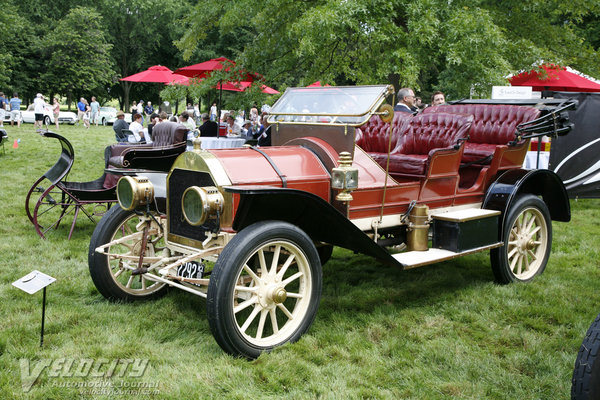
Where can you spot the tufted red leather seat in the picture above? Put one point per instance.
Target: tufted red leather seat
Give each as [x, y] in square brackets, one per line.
[493, 125]
[414, 139]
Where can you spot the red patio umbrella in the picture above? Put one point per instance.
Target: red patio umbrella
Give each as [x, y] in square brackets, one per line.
[555, 78]
[203, 69]
[317, 84]
[156, 73]
[241, 86]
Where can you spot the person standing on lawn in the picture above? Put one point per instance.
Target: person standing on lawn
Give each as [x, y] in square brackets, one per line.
[3, 105]
[94, 109]
[15, 110]
[56, 111]
[80, 110]
[38, 109]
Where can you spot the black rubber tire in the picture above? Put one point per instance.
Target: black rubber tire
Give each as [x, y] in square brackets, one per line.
[229, 269]
[531, 205]
[325, 251]
[46, 120]
[100, 268]
[585, 384]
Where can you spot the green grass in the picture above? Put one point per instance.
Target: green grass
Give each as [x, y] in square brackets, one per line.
[437, 332]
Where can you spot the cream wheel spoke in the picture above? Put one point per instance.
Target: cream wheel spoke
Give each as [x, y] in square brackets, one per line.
[263, 262]
[292, 278]
[275, 261]
[273, 315]
[129, 282]
[250, 289]
[520, 265]
[250, 318]
[285, 266]
[143, 283]
[119, 272]
[512, 252]
[285, 311]
[251, 273]
[534, 231]
[261, 323]
[513, 262]
[245, 304]
[532, 254]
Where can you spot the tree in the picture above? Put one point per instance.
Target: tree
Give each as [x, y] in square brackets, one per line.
[454, 45]
[78, 54]
[142, 33]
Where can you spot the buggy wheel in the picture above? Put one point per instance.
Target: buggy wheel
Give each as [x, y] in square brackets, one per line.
[527, 237]
[585, 384]
[47, 120]
[52, 208]
[104, 123]
[264, 290]
[112, 273]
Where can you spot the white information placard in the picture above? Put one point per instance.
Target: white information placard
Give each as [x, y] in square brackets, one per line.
[511, 92]
[33, 282]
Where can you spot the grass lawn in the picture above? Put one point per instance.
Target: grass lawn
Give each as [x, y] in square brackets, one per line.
[437, 332]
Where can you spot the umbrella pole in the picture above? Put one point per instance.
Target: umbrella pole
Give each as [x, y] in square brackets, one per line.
[219, 108]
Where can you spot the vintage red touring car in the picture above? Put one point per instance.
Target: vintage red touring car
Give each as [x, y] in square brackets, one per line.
[249, 228]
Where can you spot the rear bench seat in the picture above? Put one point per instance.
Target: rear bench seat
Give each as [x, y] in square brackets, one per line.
[415, 140]
[493, 125]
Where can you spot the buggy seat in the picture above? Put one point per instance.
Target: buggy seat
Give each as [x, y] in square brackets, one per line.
[416, 140]
[493, 126]
[168, 141]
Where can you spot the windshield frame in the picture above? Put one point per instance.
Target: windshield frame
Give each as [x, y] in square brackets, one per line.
[319, 118]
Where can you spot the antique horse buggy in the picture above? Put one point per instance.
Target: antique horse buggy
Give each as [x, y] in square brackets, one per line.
[249, 229]
[52, 199]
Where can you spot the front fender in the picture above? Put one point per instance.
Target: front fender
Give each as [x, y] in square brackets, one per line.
[540, 182]
[319, 219]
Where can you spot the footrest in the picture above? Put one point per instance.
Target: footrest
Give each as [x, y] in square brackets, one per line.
[412, 259]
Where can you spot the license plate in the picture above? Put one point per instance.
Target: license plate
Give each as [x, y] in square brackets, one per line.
[191, 269]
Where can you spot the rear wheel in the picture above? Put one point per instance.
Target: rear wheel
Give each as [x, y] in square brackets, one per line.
[104, 123]
[264, 290]
[527, 237]
[586, 375]
[47, 120]
[112, 274]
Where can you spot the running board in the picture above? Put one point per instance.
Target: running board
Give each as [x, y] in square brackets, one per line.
[413, 259]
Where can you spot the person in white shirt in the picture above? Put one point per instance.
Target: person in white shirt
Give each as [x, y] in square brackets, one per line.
[140, 110]
[233, 129]
[136, 128]
[38, 109]
[213, 112]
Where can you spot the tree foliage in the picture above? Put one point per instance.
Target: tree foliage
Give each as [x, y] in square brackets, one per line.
[78, 54]
[458, 46]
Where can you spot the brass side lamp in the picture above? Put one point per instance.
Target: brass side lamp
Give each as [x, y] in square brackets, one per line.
[344, 177]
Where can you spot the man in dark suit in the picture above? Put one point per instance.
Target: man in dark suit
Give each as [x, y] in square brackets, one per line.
[406, 101]
[208, 127]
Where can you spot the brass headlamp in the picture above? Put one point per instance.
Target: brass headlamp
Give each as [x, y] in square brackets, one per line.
[200, 203]
[134, 191]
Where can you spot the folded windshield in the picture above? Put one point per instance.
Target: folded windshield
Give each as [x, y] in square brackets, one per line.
[351, 105]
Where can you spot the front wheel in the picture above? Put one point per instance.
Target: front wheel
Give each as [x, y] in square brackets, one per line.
[264, 290]
[112, 274]
[585, 384]
[527, 237]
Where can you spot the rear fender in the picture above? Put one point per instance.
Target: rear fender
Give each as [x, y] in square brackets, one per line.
[319, 219]
[540, 182]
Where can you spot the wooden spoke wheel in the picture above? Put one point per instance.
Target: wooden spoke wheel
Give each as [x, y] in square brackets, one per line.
[112, 273]
[264, 290]
[527, 236]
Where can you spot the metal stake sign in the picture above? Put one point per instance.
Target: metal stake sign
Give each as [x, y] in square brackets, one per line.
[32, 283]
